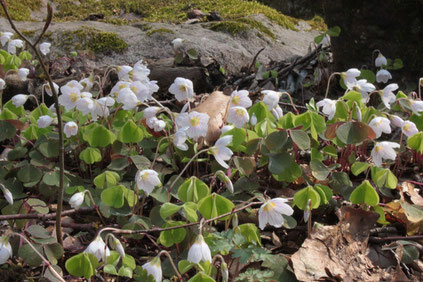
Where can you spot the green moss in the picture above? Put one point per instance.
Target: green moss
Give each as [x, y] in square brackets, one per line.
[115, 21]
[20, 10]
[318, 23]
[143, 26]
[93, 39]
[168, 10]
[231, 27]
[158, 30]
[257, 25]
[28, 33]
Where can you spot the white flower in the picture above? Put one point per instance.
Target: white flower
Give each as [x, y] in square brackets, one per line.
[196, 123]
[379, 125]
[199, 251]
[182, 89]
[241, 99]
[5, 250]
[98, 248]
[224, 271]
[119, 248]
[19, 100]
[119, 86]
[127, 98]
[396, 120]
[150, 112]
[416, 106]
[2, 84]
[7, 194]
[85, 105]
[123, 72]
[253, 119]
[156, 124]
[87, 83]
[69, 97]
[225, 179]
[48, 89]
[101, 107]
[277, 112]
[152, 88]
[77, 200]
[350, 76]
[178, 43]
[384, 150]
[383, 76]
[23, 73]
[363, 87]
[13, 44]
[221, 152]
[180, 138]
[141, 90]
[45, 48]
[238, 116]
[271, 98]
[388, 97]
[226, 128]
[146, 180]
[70, 129]
[140, 72]
[380, 60]
[44, 121]
[409, 128]
[271, 212]
[329, 107]
[74, 84]
[358, 113]
[154, 268]
[5, 37]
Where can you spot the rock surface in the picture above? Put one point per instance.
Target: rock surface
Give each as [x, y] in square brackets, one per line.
[153, 41]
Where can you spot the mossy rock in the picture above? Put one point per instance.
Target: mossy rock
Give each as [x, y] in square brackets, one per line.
[20, 10]
[159, 31]
[88, 38]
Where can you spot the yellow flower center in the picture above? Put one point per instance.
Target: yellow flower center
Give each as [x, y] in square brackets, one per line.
[144, 177]
[122, 86]
[236, 100]
[194, 121]
[134, 89]
[378, 148]
[406, 127]
[73, 97]
[239, 112]
[269, 206]
[182, 88]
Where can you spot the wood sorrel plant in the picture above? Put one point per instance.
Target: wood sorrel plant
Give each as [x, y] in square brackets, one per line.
[124, 146]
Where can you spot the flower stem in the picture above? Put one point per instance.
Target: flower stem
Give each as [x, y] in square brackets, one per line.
[172, 263]
[95, 206]
[292, 102]
[329, 80]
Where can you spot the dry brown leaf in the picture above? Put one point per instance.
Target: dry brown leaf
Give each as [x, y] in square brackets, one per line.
[340, 252]
[408, 189]
[216, 106]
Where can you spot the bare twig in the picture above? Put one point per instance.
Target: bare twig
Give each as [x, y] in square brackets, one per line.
[57, 106]
[43, 217]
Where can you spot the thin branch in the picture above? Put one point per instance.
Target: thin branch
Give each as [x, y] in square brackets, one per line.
[59, 115]
[44, 217]
[395, 238]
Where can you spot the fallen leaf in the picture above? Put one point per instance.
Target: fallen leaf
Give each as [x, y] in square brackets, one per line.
[408, 189]
[216, 106]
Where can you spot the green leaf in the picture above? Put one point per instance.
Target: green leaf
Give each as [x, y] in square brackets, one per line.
[184, 266]
[283, 167]
[302, 196]
[99, 136]
[313, 121]
[17, 153]
[201, 277]
[38, 205]
[29, 173]
[287, 121]
[368, 75]
[326, 191]
[319, 170]
[168, 209]
[25, 55]
[52, 178]
[107, 178]
[174, 236]
[353, 96]
[334, 31]
[300, 138]
[7, 130]
[82, 265]
[359, 167]
[415, 142]
[245, 165]
[119, 164]
[129, 261]
[193, 190]
[53, 252]
[354, 132]
[29, 255]
[113, 196]
[383, 177]
[125, 271]
[192, 54]
[50, 148]
[214, 205]
[130, 133]
[250, 232]
[110, 269]
[90, 155]
[190, 210]
[238, 138]
[140, 162]
[38, 231]
[319, 38]
[276, 140]
[365, 194]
